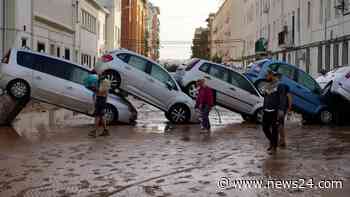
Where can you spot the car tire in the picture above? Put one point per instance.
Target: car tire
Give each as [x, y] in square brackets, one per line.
[114, 77]
[111, 114]
[191, 90]
[18, 89]
[259, 115]
[178, 114]
[326, 116]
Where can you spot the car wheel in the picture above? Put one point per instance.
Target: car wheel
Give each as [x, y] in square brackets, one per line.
[260, 85]
[192, 90]
[114, 77]
[18, 89]
[326, 116]
[259, 115]
[111, 114]
[179, 114]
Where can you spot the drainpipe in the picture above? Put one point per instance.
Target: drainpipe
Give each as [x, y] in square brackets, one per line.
[32, 25]
[3, 27]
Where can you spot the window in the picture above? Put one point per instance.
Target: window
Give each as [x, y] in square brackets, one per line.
[138, 63]
[239, 81]
[78, 75]
[67, 54]
[336, 55]
[89, 22]
[124, 57]
[25, 59]
[328, 9]
[52, 67]
[319, 58]
[307, 81]
[273, 66]
[158, 73]
[345, 53]
[58, 52]
[327, 57]
[41, 47]
[205, 68]
[23, 42]
[219, 72]
[286, 70]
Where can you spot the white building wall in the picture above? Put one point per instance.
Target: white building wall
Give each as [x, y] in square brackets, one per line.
[1, 29]
[266, 18]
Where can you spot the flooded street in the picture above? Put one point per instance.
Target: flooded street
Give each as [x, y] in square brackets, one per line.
[157, 159]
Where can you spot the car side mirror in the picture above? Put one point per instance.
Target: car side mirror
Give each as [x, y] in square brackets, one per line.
[169, 85]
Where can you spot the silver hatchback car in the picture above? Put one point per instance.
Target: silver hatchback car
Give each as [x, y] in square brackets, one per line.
[148, 81]
[28, 74]
[232, 90]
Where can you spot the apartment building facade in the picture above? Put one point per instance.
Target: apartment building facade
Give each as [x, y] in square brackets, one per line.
[312, 34]
[225, 34]
[113, 23]
[70, 29]
[134, 14]
[152, 31]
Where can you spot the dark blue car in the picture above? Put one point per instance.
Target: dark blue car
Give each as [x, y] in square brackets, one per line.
[307, 94]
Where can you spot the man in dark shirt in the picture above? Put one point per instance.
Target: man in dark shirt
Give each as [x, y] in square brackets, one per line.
[276, 103]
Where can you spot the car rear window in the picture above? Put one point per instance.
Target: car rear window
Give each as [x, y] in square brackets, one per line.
[191, 64]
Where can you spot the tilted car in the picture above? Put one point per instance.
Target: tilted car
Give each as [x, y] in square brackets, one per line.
[306, 93]
[232, 90]
[149, 82]
[340, 82]
[25, 74]
[323, 80]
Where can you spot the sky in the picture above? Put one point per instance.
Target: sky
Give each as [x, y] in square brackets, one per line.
[178, 20]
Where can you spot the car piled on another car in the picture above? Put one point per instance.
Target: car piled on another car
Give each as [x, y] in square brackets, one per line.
[232, 90]
[27, 74]
[307, 94]
[148, 81]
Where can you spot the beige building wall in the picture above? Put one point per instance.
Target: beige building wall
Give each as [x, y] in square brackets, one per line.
[91, 30]
[113, 23]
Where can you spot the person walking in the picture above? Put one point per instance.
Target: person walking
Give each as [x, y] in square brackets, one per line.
[275, 106]
[100, 105]
[204, 102]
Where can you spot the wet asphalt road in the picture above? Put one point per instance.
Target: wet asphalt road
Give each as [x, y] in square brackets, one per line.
[157, 159]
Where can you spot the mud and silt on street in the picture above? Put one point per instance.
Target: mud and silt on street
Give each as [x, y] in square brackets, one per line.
[157, 159]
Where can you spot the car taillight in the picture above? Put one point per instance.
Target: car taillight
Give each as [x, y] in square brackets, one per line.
[106, 58]
[348, 75]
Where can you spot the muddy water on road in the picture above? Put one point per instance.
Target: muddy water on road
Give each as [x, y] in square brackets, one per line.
[158, 159]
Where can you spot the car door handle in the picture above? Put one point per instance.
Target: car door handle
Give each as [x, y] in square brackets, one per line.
[69, 88]
[38, 78]
[209, 78]
[127, 68]
[299, 87]
[233, 89]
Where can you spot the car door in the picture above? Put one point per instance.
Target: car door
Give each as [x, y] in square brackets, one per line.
[49, 79]
[217, 78]
[308, 93]
[245, 95]
[162, 88]
[77, 96]
[135, 71]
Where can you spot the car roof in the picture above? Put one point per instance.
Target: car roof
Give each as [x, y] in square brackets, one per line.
[122, 50]
[50, 56]
[222, 65]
